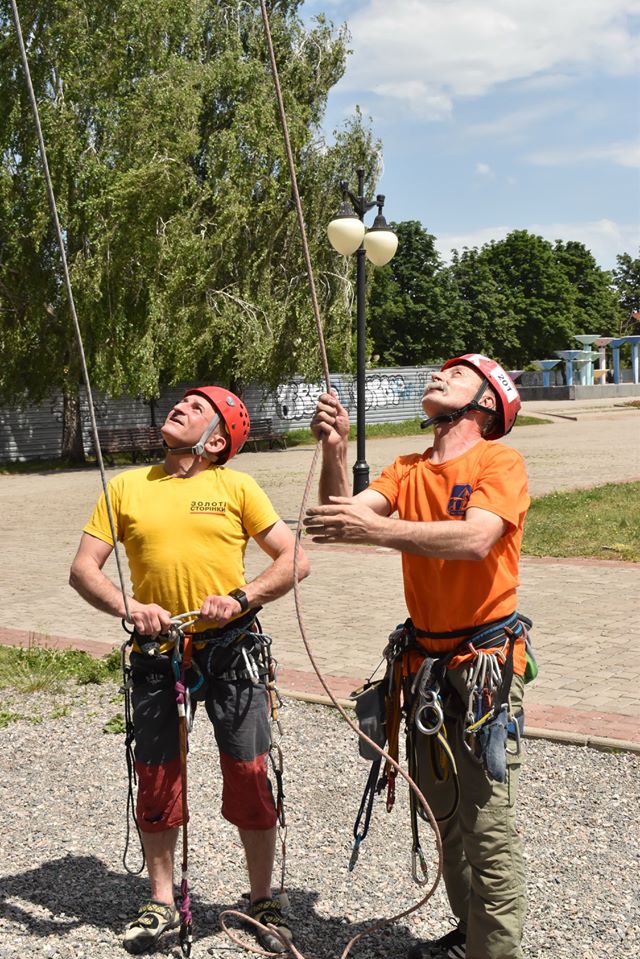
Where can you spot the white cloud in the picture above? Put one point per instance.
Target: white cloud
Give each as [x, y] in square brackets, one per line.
[484, 170]
[604, 238]
[621, 154]
[519, 123]
[424, 53]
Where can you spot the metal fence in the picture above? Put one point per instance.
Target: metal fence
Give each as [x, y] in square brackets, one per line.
[392, 395]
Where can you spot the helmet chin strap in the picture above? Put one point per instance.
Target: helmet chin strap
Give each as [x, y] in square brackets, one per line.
[198, 449]
[457, 414]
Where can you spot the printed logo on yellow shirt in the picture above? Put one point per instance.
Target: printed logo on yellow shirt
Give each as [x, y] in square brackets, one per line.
[459, 499]
[211, 507]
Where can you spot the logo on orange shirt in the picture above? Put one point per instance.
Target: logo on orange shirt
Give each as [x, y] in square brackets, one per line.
[459, 499]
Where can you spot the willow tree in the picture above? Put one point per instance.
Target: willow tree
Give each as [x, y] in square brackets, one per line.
[169, 170]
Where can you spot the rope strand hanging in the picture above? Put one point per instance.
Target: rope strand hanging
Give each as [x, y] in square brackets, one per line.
[68, 287]
[296, 586]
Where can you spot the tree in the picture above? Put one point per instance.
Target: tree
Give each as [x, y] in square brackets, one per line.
[540, 298]
[485, 312]
[595, 302]
[412, 317]
[174, 193]
[626, 286]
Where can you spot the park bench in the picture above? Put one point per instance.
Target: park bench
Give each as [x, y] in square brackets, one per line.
[262, 430]
[136, 441]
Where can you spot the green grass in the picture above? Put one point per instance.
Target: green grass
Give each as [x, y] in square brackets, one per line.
[602, 523]
[115, 725]
[37, 668]
[7, 717]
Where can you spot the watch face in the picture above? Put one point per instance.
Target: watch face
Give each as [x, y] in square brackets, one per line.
[241, 596]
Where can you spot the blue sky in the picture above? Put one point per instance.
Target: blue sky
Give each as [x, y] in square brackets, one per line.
[500, 114]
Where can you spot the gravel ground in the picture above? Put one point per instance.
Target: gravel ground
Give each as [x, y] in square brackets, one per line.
[65, 894]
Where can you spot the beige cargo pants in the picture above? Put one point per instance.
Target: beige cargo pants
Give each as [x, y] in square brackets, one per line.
[483, 865]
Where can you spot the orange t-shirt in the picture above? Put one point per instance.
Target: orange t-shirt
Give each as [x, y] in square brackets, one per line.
[445, 595]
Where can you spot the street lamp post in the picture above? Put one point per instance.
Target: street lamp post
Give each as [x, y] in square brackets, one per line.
[347, 235]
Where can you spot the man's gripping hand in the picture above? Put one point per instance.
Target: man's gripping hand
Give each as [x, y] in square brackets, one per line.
[331, 421]
[149, 619]
[220, 609]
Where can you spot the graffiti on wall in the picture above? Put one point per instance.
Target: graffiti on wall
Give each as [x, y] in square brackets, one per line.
[384, 391]
[297, 400]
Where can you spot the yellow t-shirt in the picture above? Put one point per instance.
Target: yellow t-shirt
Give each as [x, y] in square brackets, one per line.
[443, 596]
[185, 539]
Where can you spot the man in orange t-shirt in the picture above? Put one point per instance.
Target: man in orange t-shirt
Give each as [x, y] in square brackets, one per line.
[460, 509]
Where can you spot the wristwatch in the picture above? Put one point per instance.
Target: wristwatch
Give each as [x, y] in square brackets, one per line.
[241, 596]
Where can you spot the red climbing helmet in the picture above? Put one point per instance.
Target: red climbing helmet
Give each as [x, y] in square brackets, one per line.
[509, 401]
[232, 412]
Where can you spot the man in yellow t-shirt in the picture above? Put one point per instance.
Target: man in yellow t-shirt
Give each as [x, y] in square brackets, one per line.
[461, 507]
[185, 527]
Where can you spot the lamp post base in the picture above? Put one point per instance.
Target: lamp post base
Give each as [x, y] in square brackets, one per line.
[360, 476]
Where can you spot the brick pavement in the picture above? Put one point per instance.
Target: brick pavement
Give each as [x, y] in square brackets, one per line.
[587, 629]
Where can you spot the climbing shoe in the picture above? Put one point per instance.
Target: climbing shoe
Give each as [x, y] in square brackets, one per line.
[450, 946]
[152, 920]
[268, 912]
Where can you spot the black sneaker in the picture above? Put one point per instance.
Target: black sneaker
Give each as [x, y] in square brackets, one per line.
[268, 912]
[153, 919]
[451, 946]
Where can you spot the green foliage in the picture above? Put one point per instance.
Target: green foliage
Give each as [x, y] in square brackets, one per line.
[603, 522]
[541, 300]
[412, 315]
[523, 298]
[516, 299]
[483, 306]
[595, 301]
[115, 725]
[174, 194]
[8, 716]
[626, 286]
[36, 667]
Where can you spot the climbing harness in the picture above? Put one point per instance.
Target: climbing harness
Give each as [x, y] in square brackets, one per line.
[417, 696]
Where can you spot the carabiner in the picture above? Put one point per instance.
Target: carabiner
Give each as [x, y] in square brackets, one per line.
[430, 707]
[252, 669]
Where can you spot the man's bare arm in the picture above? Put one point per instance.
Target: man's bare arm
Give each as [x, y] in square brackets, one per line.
[351, 520]
[330, 425]
[90, 582]
[278, 542]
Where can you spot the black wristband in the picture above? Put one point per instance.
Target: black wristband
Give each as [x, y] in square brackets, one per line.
[241, 596]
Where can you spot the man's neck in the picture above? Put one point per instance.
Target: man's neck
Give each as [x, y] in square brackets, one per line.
[184, 465]
[454, 439]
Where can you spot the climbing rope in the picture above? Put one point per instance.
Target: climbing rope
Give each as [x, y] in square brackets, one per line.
[303, 507]
[67, 283]
[186, 942]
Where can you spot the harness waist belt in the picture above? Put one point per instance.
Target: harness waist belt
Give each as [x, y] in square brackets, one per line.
[228, 632]
[480, 636]
[241, 623]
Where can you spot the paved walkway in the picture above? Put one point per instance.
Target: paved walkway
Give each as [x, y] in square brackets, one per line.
[587, 627]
